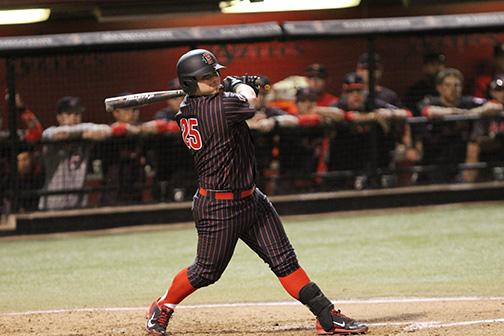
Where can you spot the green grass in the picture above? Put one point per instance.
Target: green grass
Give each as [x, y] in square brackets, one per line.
[426, 252]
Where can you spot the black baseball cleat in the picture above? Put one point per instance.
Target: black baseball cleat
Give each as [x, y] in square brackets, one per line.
[158, 319]
[342, 325]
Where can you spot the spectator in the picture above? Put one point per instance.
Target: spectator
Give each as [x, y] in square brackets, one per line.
[164, 119]
[381, 92]
[449, 84]
[301, 152]
[317, 75]
[266, 143]
[29, 180]
[32, 130]
[433, 63]
[172, 105]
[487, 139]
[283, 93]
[66, 161]
[263, 111]
[171, 162]
[445, 143]
[123, 160]
[481, 83]
[371, 139]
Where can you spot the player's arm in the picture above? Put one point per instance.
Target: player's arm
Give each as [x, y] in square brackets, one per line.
[330, 113]
[235, 84]
[247, 92]
[490, 108]
[433, 111]
[238, 100]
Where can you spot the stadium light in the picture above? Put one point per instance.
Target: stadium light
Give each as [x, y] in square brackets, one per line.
[255, 6]
[18, 16]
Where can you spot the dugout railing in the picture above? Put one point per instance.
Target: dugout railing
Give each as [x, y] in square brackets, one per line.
[27, 60]
[287, 164]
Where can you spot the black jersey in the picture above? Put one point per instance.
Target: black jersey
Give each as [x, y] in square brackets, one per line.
[214, 129]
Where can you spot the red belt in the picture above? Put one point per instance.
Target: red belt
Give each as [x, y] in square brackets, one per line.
[226, 195]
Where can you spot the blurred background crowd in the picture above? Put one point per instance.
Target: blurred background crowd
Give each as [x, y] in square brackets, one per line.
[308, 139]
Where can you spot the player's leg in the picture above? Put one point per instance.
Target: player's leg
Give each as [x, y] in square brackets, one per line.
[217, 238]
[269, 240]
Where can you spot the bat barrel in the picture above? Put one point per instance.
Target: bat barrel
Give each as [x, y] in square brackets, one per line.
[140, 99]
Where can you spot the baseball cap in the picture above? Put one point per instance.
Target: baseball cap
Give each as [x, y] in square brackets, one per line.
[306, 93]
[353, 81]
[363, 60]
[497, 83]
[434, 57]
[69, 104]
[316, 70]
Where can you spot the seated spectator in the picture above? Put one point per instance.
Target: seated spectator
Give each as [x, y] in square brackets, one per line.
[381, 92]
[482, 82]
[317, 76]
[123, 160]
[433, 63]
[487, 138]
[66, 162]
[445, 142]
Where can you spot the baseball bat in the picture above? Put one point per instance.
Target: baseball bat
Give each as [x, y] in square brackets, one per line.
[140, 99]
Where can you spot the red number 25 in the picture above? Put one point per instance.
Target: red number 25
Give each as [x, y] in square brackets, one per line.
[190, 133]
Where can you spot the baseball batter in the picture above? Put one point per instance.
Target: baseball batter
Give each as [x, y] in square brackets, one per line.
[227, 205]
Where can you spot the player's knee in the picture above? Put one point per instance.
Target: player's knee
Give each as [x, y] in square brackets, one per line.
[286, 265]
[202, 277]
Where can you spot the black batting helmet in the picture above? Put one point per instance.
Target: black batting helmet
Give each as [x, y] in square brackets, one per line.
[193, 64]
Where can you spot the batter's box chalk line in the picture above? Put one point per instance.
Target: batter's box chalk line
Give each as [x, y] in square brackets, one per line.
[436, 324]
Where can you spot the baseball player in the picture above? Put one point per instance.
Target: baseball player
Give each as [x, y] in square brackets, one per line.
[227, 206]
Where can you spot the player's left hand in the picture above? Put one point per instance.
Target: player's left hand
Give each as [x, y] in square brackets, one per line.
[253, 81]
[231, 82]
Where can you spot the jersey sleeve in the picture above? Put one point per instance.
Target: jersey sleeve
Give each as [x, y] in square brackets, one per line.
[236, 107]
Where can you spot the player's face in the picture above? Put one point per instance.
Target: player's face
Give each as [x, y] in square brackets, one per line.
[355, 99]
[450, 90]
[209, 84]
[68, 118]
[125, 115]
[24, 162]
[316, 83]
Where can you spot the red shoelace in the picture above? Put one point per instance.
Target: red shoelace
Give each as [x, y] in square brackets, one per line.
[164, 317]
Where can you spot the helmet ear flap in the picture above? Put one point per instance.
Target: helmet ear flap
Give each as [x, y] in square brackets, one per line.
[189, 85]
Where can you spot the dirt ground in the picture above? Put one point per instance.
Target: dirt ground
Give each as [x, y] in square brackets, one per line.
[439, 318]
